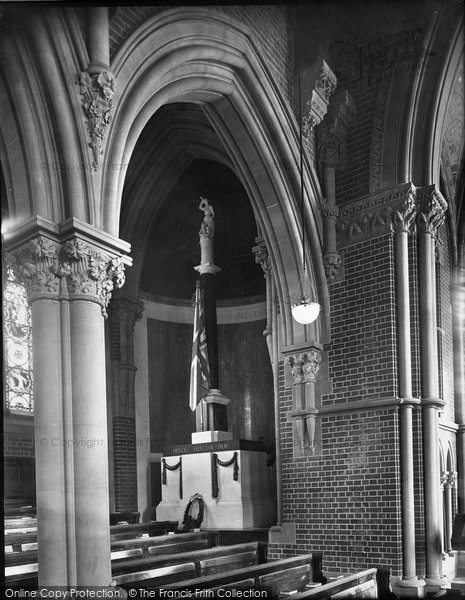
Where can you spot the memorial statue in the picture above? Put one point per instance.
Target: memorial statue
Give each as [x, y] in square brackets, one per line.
[207, 228]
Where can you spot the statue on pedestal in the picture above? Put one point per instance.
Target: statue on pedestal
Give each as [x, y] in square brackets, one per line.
[207, 228]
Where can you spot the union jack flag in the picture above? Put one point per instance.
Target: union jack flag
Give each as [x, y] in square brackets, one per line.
[200, 372]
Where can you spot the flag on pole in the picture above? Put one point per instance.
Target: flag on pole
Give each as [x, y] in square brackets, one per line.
[200, 373]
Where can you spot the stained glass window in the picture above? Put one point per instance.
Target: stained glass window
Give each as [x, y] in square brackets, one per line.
[18, 347]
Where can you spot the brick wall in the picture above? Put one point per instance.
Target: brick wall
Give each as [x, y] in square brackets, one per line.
[362, 353]
[269, 25]
[346, 501]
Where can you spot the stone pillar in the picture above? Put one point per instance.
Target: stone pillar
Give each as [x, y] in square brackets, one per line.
[98, 39]
[458, 321]
[304, 366]
[432, 208]
[69, 274]
[263, 259]
[332, 134]
[403, 218]
[449, 484]
[123, 314]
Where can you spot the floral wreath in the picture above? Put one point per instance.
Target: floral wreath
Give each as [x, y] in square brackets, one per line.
[188, 521]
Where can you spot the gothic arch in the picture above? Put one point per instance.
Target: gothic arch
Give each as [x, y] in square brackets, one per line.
[200, 56]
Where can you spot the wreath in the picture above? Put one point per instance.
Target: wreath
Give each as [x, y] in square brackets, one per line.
[189, 521]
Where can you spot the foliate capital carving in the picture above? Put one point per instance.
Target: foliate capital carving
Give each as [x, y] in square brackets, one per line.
[36, 266]
[311, 364]
[262, 257]
[332, 263]
[305, 365]
[397, 209]
[125, 310]
[97, 91]
[296, 364]
[431, 209]
[75, 268]
[328, 210]
[404, 215]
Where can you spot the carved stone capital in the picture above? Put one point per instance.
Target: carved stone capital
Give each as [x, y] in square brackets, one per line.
[311, 364]
[304, 365]
[377, 215]
[431, 209]
[404, 214]
[36, 266]
[262, 257]
[75, 268]
[97, 91]
[296, 364]
[328, 210]
[125, 310]
[332, 263]
[90, 272]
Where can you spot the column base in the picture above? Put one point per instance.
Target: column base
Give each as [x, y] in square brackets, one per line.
[410, 588]
[436, 581]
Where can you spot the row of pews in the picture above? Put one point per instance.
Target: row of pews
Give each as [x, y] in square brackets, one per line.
[152, 555]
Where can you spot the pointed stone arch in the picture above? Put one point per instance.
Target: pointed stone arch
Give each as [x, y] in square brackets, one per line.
[200, 56]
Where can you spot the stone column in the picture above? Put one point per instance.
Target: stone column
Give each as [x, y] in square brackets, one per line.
[332, 134]
[458, 320]
[304, 367]
[263, 259]
[123, 314]
[449, 484]
[98, 39]
[69, 274]
[403, 218]
[432, 208]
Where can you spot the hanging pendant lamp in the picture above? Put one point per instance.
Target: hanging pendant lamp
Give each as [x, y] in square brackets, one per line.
[307, 309]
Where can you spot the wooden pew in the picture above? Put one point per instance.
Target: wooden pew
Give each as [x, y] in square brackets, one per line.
[281, 576]
[20, 523]
[164, 544]
[371, 583]
[27, 540]
[18, 563]
[211, 560]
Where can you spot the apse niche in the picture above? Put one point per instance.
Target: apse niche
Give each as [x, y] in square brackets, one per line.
[167, 286]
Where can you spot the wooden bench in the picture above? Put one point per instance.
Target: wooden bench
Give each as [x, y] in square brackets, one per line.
[281, 576]
[27, 540]
[21, 523]
[18, 563]
[164, 544]
[371, 583]
[211, 560]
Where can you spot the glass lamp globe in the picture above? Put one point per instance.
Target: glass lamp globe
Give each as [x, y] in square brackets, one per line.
[305, 311]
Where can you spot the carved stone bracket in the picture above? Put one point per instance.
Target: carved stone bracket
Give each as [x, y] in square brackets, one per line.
[262, 257]
[75, 268]
[97, 91]
[332, 263]
[316, 106]
[304, 366]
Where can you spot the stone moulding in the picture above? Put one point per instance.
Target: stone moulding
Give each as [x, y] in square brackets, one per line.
[382, 213]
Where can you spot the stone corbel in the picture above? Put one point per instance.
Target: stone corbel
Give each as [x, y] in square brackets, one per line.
[304, 363]
[97, 90]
